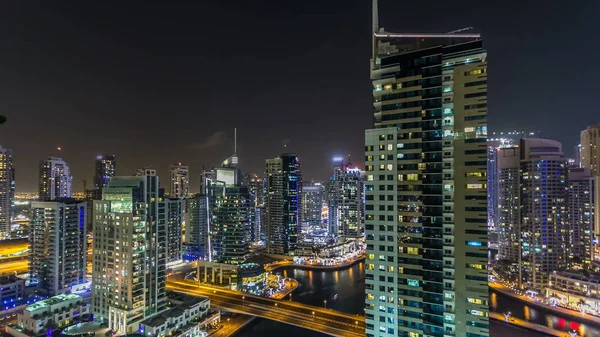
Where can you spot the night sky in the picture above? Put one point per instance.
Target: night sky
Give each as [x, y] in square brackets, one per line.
[157, 84]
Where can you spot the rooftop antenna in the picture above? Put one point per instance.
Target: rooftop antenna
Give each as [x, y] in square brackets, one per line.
[375, 19]
[234, 140]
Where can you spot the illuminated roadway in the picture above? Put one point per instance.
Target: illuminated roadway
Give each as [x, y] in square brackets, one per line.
[330, 322]
[13, 266]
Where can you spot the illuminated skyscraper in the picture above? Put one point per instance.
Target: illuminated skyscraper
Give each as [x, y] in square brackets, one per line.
[55, 179]
[283, 209]
[256, 189]
[7, 191]
[590, 149]
[130, 250]
[580, 206]
[58, 245]
[313, 197]
[231, 220]
[180, 181]
[174, 210]
[543, 208]
[197, 244]
[346, 201]
[508, 218]
[105, 169]
[426, 193]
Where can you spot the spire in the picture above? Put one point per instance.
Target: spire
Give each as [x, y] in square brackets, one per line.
[234, 141]
[375, 19]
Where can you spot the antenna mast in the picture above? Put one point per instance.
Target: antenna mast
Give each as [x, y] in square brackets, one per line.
[235, 140]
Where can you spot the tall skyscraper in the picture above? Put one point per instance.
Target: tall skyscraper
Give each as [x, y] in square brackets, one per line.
[543, 208]
[590, 149]
[58, 245]
[256, 189]
[55, 179]
[313, 198]
[231, 214]
[283, 209]
[180, 181]
[346, 201]
[105, 169]
[508, 216]
[426, 198]
[7, 191]
[197, 244]
[129, 252]
[174, 210]
[580, 216]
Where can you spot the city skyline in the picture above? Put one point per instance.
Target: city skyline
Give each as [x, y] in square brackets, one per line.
[181, 83]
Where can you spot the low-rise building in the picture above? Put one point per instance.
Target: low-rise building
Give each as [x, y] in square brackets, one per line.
[55, 312]
[188, 317]
[575, 291]
[11, 291]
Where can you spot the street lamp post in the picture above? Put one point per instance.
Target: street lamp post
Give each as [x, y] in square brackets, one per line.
[325, 303]
[243, 300]
[507, 316]
[356, 322]
[313, 316]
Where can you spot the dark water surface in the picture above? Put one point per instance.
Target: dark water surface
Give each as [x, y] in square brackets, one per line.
[317, 286]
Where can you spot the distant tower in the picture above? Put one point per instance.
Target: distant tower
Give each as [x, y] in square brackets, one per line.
[283, 209]
[58, 245]
[7, 191]
[346, 201]
[580, 201]
[590, 149]
[106, 166]
[313, 198]
[55, 179]
[180, 181]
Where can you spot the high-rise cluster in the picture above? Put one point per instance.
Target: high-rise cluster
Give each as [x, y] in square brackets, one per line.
[7, 191]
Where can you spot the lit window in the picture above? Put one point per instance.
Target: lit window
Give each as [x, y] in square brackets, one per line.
[412, 176]
[412, 250]
[390, 147]
[387, 87]
[474, 243]
[413, 283]
[390, 167]
[470, 129]
[474, 186]
[370, 177]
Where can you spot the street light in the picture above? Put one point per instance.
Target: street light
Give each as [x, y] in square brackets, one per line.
[243, 300]
[356, 322]
[325, 303]
[313, 316]
[507, 316]
[290, 297]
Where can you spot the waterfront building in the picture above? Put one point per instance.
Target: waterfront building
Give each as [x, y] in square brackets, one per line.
[508, 220]
[180, 181]
[7, 191]
[55, 179]
[313, 198]
[174, 211]
[346, 201]
[426, 198]
[58, 245]
[580, 216]
[283, 204]
[106, 166]
[130, 234]
[55, 312]
[575, 290]
[542, 208]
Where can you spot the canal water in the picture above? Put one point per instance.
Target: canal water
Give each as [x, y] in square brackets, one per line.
[315, 287]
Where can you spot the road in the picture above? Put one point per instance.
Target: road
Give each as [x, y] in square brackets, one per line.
[231, 325]
[528, 325]
[19, 266]
[314, 318]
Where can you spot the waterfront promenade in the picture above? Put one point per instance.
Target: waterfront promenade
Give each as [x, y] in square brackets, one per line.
[555, 310]
[283, 264]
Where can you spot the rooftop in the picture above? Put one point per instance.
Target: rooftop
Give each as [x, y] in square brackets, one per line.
[52, 301]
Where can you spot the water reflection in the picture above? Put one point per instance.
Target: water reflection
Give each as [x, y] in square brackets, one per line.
[502, 303]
